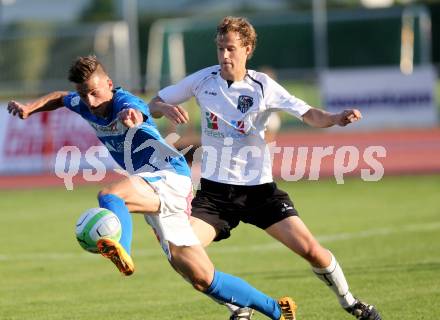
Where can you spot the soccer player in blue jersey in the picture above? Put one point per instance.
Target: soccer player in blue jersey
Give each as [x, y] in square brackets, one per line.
[159, 185]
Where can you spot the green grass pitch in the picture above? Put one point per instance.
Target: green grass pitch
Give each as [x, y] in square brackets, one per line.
[385, 234]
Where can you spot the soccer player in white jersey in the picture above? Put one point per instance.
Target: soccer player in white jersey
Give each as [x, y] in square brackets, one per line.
[159, 185]
[237, 183]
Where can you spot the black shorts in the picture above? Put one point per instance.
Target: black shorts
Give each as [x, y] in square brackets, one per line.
[223, 205]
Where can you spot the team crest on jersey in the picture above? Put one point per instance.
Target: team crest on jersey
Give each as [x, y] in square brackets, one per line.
[75, 101]
[211, 120]
[244, 103]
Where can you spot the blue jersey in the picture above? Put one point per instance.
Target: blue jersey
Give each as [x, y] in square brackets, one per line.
[140, 149]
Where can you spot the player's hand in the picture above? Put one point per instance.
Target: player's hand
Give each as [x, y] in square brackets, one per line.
[176, 114]
[18, 109]
[349, 116]
[130, 117]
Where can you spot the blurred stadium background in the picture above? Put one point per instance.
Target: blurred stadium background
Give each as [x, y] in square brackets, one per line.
[382, 56]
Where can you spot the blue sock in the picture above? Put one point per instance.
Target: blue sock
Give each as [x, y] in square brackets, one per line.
[227, 288]
[117, 205]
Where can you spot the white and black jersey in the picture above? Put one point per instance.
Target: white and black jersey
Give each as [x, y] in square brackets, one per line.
[233, 120]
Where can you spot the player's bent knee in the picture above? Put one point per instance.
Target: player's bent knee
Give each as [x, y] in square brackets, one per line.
[110, 190]
[200, 280]
[201, 283]
[104, 191]
[314, 253]
[197, 276]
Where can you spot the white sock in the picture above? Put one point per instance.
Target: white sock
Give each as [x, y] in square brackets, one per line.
[335, 279]
[232, 307]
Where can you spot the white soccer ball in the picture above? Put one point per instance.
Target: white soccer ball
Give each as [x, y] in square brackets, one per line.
[94, 224]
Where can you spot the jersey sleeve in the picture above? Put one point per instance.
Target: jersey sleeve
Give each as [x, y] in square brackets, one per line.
[126, 100]
[73, 102]
[136, 104]
[279, 99]
[184, 89]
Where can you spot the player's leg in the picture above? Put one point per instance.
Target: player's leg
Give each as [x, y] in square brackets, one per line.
[185, 252]
[203, 230]
[210, 220]
[293, 233]
[206, 234]
[193, 263]
[137, 194]
[132, 194]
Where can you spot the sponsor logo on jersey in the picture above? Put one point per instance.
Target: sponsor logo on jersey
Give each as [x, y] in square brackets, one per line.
[228, 134]
[213, 133]
[239, 126]
[113, 129]
[211, 120]
[211, 93]
[244, 103]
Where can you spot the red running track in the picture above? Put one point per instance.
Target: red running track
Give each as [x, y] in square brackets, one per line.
[407, 152]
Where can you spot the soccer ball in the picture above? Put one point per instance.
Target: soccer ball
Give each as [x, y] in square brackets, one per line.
[94, 224]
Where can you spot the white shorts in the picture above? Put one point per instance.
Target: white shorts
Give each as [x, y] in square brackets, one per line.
[172, 223]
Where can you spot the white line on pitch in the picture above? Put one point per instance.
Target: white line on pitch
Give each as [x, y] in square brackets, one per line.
[273, 245]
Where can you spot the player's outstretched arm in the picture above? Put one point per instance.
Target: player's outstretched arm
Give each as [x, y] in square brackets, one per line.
[49, 102]
[175, 113]
[322, 119]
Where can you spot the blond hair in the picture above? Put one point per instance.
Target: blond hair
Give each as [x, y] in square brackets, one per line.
[243, 27]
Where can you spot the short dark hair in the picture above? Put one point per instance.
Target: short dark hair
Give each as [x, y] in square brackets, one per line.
[243, 27]
[83, 67]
